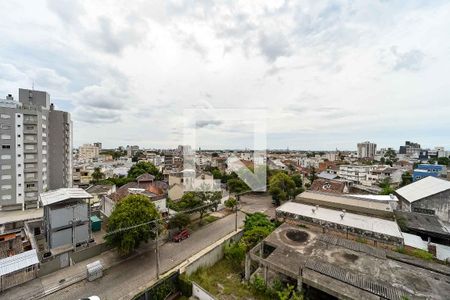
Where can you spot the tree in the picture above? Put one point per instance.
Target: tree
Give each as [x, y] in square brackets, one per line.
[256, 227]
[97, 175]
[297, 178]
[132, 210]
[386, 187]
[281, 187]
[136, 156]
[180, 220]
[199, 201]
[406, 179]
[312, 175]
[237, 186]
[390, 156]
[143, 167]
[231, 202]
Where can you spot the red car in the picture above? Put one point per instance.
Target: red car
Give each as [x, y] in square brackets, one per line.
[183, 234]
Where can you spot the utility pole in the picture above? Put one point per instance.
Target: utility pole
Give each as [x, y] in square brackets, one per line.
[157, 250]
[236, 213]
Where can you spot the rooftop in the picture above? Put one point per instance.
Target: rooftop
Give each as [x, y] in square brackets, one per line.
[366, 223]
[99, 188]
[63, 194]
[422, 188]
[353, 269]
[342, 201]
[18, 261]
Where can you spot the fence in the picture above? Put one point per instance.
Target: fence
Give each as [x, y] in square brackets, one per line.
[162, 289]
[200, 293]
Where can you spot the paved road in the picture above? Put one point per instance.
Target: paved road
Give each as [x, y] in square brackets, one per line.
[122, 281]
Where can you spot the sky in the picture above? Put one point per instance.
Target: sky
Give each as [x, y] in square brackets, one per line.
[324, 75]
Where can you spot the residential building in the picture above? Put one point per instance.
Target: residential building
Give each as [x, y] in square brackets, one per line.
[131, 150]
[36, 147]
[410, 149]
[98, 145]
[66, 217]
[425, 170]
[88, 152]
[354, 173]
[429, 195]
[366, 149]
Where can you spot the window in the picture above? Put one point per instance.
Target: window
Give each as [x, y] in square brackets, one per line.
[30, 185]
[6, 197]
[18, 135]
[6, 146]
[6, 137]
[20, 194]
[5, 116]
[6, 167]
[19, 155]
[6, 187]
[6, 177]
[19, 165]
[6, 156]
[5, 126]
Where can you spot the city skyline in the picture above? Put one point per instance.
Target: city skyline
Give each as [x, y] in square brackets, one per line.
[330, 74]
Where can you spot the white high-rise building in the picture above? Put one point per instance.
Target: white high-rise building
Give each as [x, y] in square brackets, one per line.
[366, 149]
[36, 147]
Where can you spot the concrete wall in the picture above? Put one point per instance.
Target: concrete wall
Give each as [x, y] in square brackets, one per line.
[213, 256]
[200, 293]
[87, 253]
[439, 203]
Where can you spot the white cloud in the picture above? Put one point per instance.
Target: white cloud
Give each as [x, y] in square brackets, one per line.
[326, 71]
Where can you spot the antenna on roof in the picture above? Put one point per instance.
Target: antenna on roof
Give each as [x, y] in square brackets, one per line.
[32, 86]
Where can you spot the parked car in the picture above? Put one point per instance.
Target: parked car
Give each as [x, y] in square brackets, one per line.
[183, 234]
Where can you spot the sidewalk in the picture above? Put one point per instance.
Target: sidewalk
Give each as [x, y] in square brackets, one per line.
[45, 285]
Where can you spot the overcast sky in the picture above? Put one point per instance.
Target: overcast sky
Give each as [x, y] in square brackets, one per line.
[328, 74]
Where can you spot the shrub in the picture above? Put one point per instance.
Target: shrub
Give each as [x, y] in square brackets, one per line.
[185, 286]
[258, 284]
[235, 253]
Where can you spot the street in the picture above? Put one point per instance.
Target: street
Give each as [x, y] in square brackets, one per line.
[123, 280]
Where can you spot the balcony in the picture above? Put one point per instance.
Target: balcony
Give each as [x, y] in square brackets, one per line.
[30, 121]
[32, 179]
[31, 189]
[34, 150]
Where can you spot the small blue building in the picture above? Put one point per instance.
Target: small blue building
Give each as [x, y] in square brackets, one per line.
[424, 170]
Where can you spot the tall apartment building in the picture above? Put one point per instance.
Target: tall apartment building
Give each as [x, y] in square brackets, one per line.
[36, 147]
[410, 149]
[88, 152]
[366, 149]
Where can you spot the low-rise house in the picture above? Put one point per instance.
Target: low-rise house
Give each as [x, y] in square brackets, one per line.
[330, 185]
[67, 215]
[156, 191]
[429, 195]
[99, 190]
[425, 170]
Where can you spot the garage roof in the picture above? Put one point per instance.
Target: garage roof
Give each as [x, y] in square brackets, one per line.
[18, 262]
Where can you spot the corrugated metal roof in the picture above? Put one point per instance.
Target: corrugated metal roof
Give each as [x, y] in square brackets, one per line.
[423, 188]
[63, 194]
[18, 261]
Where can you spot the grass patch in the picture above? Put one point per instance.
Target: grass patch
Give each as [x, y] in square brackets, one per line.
[209, 219]
[224, 282]
[419, 253]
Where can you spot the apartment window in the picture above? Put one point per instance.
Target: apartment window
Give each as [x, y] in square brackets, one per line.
[6, 187]
[18, 135]
[6, 167]
[5, 116]
[18, 125]
[18, 145]
[19, 175]
[20, 194]
[19, 165]
[6, 156]
[5, 126]
[6, 197]
[6, 146]
[6, 137]
[19, 185]
[30, 185]
[19, 155]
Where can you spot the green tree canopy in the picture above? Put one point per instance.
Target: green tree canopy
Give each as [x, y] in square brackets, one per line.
[406, 179]
[180, 220]
[231, 202]
[131, 211]
[281, 187]
[237, 186]
[143, 167]
[97, 175]
[199, 201]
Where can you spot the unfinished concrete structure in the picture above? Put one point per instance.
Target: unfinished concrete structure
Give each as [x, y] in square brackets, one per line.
[344, 269]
